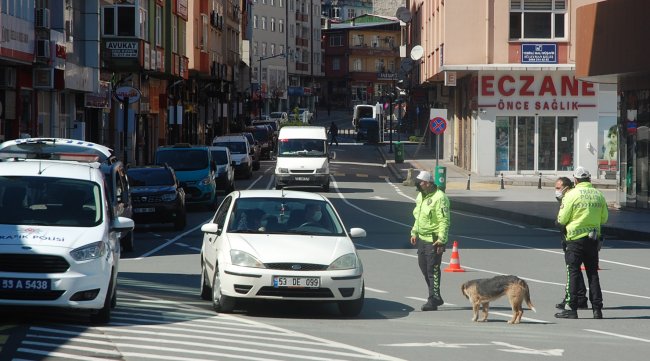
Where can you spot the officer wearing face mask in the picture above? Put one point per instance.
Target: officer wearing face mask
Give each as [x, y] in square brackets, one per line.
[430, 233]
[562, 186]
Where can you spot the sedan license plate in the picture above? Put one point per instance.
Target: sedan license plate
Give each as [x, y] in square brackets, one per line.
[24, 284]
[305, 179]
[296, 282]
[144, 210]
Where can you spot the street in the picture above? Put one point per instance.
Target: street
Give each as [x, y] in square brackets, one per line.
[160, 316]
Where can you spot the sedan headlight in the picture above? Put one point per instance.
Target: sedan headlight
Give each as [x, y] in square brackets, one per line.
[347, 261]
[241, 258]
[168, 197]
[91, 251]
[283, 170]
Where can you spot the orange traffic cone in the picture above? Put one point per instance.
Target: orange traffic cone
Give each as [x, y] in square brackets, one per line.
[454, 262]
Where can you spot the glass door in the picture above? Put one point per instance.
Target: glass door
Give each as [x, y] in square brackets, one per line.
[565, 132]
[546, 150]
[525, 144]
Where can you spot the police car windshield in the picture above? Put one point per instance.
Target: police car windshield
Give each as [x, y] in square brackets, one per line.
[53, 148]
[49, 201]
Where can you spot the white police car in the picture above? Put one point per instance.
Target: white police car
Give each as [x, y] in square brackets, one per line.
[59, 240]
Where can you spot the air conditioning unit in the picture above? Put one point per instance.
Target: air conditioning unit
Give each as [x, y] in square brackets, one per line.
[43, 18]
[8, 78]
[42, 48]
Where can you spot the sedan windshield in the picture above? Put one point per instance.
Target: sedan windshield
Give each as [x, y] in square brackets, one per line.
[49, 201]
[284, 215]
[150, 177]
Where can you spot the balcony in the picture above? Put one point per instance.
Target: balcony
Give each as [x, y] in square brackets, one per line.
[374, 49]
[302, 17]
[302, 66]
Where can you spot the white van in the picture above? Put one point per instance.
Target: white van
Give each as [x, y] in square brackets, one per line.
[363, 111]
[302, 158]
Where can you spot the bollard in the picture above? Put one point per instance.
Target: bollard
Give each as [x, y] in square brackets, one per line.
[502, 184]
[469, 176]
[539, 182]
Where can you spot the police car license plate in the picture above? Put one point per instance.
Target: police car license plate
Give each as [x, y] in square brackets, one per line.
[296, 282]
[144, 210]
[306, 179]
[25, 284]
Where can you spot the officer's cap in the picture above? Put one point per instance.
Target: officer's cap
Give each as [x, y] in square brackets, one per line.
[425, 176]
[581, 173]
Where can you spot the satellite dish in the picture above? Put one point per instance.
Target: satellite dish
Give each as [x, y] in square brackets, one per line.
[406, 64]
[403, 14]
[417, 52]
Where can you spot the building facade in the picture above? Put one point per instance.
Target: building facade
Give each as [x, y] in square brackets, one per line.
[609, 54]
[337, 11]
[362, 60]
[505, 74]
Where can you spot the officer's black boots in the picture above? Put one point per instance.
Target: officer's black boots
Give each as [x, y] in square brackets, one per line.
[429, 307]
[582, 304]
[573, 314]
[436, 301]
[598, 313]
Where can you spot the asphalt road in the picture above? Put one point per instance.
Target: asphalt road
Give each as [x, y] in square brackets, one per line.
[161, 317]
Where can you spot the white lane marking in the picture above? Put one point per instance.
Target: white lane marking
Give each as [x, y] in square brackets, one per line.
[94, 350]
[437, 344]
[65, 356]
[375, 290]
[528, 351]
[359, 163]
[424, 300]
[618, 335]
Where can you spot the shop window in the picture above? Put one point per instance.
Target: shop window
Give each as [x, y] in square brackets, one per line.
[565, 130]
[537, 19]
[525, 143]
[546, 153]
[505, 140]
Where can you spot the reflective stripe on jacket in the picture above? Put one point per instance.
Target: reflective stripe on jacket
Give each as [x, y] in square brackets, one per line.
[432, 217]
[583, 208]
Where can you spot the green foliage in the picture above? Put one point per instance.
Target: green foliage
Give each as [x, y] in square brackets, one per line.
[293, 123]
[415, 138]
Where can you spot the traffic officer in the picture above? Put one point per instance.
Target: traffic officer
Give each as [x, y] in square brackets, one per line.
[583, 211]
[430, 231]
[562, 186]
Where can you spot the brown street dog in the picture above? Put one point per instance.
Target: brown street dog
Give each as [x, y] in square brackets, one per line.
[481, 291]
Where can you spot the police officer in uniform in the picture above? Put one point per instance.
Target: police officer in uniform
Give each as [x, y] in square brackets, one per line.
[562, 186]
[430, 231]
[583, 211]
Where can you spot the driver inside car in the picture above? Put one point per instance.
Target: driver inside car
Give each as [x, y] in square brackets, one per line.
[311, 215]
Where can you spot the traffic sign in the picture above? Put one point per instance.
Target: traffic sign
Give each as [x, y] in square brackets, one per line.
[438, 125]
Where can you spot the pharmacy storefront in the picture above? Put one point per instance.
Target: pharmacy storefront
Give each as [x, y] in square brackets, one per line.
[541, 122]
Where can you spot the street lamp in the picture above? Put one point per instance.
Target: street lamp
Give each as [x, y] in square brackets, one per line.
[259, 76]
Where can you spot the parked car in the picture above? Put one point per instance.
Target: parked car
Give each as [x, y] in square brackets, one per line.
[280, 117]
[112, 168]
[194, 169]
[225, 174]
[255, 146]
[60, 239]
[241, 152]
[368, 130]
[280, 245]
[157, 196]
[263, 135]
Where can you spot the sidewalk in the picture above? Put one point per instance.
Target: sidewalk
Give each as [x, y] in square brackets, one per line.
[520, 199]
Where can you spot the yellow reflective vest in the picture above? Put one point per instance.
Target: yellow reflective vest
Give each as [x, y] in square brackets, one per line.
[583, 208]
[432, 217]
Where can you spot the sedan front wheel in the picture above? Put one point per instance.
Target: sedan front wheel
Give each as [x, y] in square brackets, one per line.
[220, 302]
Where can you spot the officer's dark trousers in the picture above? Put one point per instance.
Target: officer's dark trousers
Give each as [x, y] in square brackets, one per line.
[578, 252]
[582, 290]
[429, 261]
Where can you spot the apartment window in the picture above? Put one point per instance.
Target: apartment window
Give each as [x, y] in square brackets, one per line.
[379, 66]
[254, 21]
[263, 24]
[255, 52]
[357, 40]
[282, 50]
[204, 32]
[391, 66]
[272, 49]
[336, 63]
[281, 2]
[174, 34]
[272, 2]
[352, 13]
[356, 65]
[281, 26]
[272, 24]
[158, 25]
[375, 41]
[144, 28]
[336, 40]
[336, 12]
[538, 19]
[119, 20]
[263, 49]
[291, 30]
